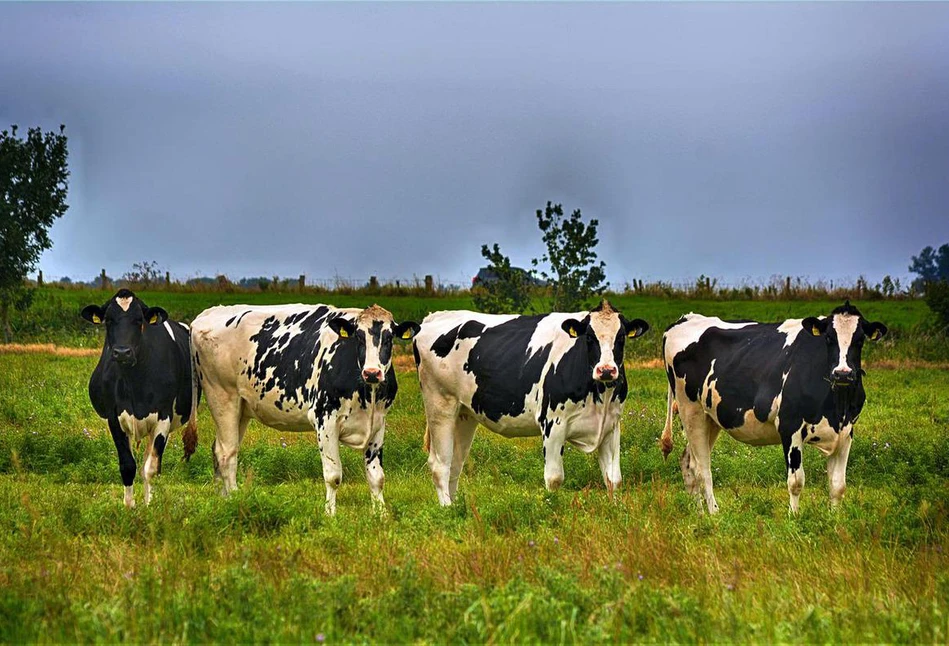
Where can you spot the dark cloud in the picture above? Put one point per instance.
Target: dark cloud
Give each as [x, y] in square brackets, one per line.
[737, 140]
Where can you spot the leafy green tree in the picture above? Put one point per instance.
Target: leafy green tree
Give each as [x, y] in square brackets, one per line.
[509, 293]
[33, 187]
[932, 267]
[574, 275]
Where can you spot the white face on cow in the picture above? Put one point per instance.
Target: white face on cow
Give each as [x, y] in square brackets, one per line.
[372, 333]
[605, 331]
[844, 333]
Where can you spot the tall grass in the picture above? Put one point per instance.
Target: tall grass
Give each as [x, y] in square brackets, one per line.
[508, 562]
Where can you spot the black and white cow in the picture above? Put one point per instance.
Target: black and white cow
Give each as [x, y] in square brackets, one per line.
[300, 368]
[143, 383]
[792, 383]
[557, 375]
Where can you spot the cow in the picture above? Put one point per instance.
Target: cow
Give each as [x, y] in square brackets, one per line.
[300, 368]
[143, 385]
[558, 375]
[791, 383]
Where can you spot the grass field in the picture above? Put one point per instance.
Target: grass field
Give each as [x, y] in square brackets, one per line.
[54, 318]
[508, 562]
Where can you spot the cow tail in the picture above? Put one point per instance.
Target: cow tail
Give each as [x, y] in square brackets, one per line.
[190, 435]
[665, 442]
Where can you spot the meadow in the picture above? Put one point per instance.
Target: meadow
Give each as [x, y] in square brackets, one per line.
[509, 562]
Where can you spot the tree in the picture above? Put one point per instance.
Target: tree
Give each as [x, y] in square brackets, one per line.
[932, 265]
[574, 274]
[33, 187]
[143, 275]
[933, 270]
[509, 293]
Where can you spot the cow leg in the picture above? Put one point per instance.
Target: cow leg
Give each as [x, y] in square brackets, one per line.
[698, 429]
[153, 452]
[608, 454]
[688, 477]
[123, 445]
[792, 444]
[328, 436]
[463, 436]
[554, 439]
[441, 415]
[231, 424]
[837, 467]
[374, 473]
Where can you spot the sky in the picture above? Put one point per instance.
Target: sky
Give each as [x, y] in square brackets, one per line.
[741, 141]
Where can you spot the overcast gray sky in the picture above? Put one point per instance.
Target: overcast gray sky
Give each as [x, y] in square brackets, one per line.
[737, 140]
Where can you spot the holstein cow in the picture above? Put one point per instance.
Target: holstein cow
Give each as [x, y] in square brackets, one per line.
[557, 375]
[300, 368]
[143, 383]
[792, 383]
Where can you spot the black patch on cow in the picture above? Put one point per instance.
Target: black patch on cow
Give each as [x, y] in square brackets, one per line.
[237, 319]
[159, 445]
[504, 370]
[445, 343]
[415, 354]
[708, 399]
[794, 459]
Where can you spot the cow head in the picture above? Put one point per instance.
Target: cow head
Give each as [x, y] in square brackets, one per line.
[125, 317]
[605, 331]
[844, 333]
[373, 332]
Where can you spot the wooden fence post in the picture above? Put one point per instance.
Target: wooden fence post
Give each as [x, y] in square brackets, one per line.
[104, 280]
[302, 281]
[167, 279]
[39, 278]
[429, 284]
[373, 283]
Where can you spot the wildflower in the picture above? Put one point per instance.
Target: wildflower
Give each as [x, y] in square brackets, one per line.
[640, 577]
[531, 543]
[320, 637]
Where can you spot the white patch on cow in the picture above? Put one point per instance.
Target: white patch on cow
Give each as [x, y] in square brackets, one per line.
[606, 326]
[688, 332]
[184, 325]
[846, 326]
[364, 322]
[791, 328]
[171, 332]
[125, 303]
[136, 428]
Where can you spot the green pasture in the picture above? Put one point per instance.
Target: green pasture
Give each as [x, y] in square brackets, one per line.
[54, 317]
[508, 562]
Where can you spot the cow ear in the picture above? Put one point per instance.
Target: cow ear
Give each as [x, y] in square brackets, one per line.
[406, 330]
[574, 328]
[155, 315]
[874, 331]
[342, 327]
[93, 314]
[635, 328]
[814, 325]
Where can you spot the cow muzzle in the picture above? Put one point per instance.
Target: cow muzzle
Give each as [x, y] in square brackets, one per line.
[372, 375]
[123, 355]
[843, 377]
[606, 374]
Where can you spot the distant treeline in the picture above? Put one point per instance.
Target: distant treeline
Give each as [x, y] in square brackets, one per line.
[704, 287]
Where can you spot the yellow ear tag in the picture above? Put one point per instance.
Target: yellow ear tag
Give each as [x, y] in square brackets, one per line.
[875, 335]
[96, 319]
[815, 331]
[407, 334]
[343, 333]
[632, 334]
[153, 320]
[572, 332]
